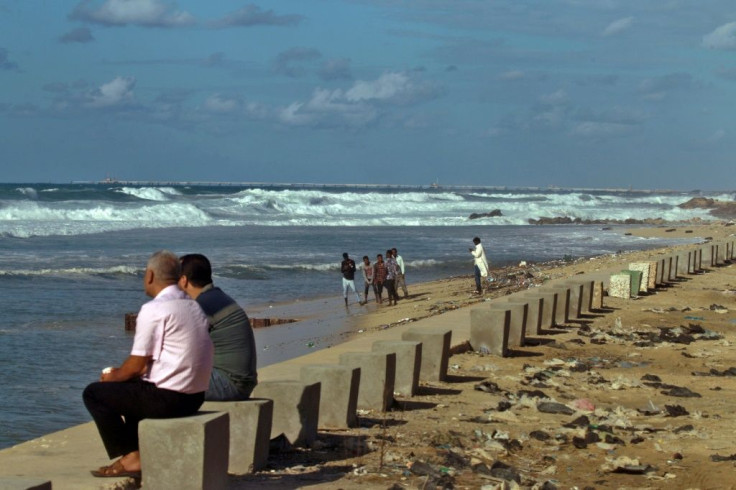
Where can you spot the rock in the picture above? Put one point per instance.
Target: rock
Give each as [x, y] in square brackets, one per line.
[681, 392]
[492, 214]
[554, 407]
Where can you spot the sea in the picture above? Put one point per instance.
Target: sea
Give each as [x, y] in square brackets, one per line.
[72, 258]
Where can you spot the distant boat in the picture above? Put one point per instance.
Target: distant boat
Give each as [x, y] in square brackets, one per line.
[109, 180]
[435, 184]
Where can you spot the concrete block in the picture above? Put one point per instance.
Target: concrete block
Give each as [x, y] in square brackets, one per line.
[562, 308]
[185, 453]
[535, 311]
[720, 253]
[250, 432]
[377, 377]
[547, 307]
[517, 324]
[698, 264]
[597, 295]
[408, 363]
[708, 255]
[642, 267]
[576, 298]
[620, 286]
[23, 483]
[674, 265]
[653, 271]
[683, 264]
[295, 409]
[338, 400]
[661, 272]
[489, 331]
[435, 351]
[635, 281]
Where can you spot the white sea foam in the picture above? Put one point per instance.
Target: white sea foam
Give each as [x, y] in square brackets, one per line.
[73, 271]
[29, 192]
[150, 193]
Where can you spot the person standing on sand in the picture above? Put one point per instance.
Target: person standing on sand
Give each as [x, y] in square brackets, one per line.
[348, 278]
[379, 277]
[234, 373]
[392, 270]
[166, 374]
[401, 276]
[480, 264]
[368, 278]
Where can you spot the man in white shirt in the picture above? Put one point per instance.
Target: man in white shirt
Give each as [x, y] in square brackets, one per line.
[166, 374]
[401, 276]
[480, 264]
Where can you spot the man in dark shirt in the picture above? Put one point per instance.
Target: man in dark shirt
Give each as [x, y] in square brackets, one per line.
[234, 373]
[348, 278]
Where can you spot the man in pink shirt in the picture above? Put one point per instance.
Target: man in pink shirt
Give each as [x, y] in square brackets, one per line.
[166, 374]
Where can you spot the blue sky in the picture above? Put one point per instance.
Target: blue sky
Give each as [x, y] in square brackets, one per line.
[585, 93]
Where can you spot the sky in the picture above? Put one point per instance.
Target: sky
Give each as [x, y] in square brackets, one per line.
[569, 93]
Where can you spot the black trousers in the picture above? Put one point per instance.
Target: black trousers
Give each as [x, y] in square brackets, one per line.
[117, 407]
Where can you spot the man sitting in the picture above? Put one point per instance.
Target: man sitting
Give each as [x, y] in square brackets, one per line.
[234, 373]
[166, 374]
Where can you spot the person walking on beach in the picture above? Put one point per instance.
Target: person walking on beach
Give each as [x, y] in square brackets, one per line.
[392, 270]
[480, 264]
[348, 277]
[368, 279]
[379, 277]
[166, 374]
[401, 276]
[234, 372]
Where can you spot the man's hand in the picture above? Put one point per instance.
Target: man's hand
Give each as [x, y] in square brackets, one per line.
[133, 367]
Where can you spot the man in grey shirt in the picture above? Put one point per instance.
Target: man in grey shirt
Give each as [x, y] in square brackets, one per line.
[234, 373]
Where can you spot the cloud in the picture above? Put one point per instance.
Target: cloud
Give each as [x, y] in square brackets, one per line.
[290, 62]
[146, 13]
[221, 104]
[593, 129]
[336, 69]
[656, 88]
[78, 35]
[5, 63]
[116, 93]
[252, 15]
[360, 105]
[618, 26]
[723, 37]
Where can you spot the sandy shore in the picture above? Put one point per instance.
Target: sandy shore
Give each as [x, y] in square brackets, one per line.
[656, 407]
[625, 368]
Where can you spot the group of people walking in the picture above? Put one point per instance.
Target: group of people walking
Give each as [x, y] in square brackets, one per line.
[387, 272]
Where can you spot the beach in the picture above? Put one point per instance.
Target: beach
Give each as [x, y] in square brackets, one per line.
[482, 421]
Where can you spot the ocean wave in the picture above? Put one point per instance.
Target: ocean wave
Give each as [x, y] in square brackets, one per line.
[150, 193]
[29, 192]
[119, 270]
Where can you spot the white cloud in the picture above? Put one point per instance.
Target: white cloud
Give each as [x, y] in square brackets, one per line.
[149, 13]
[723, 37]
[592, 129]
[118, 92]
[618, 26]
[220, 104]
[387, 86]
[556, 98]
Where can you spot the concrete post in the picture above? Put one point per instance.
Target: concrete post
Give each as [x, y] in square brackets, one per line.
[338, 399]
[435, 351]
[489, 331]
[408, 363]
[295, 409]
[377, 377]
[186, 453]
[517, 324]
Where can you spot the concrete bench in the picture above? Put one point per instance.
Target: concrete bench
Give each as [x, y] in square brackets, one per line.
[408, 363]
[620, 286]
[295, 409]
[489, 331]
[435, 351]
[377, 376]
[185, 453]
[562, 308]
[517, 322]
[23, 483]
[338, 401]
[250, 432]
